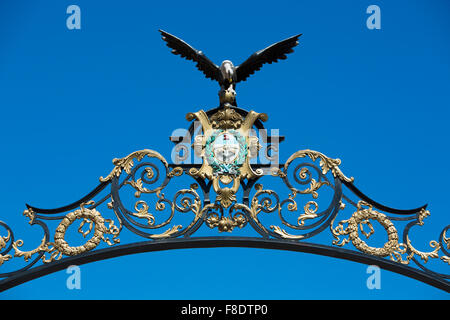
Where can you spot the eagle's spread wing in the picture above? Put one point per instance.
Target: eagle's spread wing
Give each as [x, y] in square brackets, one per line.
[180, 47]
[270, 54]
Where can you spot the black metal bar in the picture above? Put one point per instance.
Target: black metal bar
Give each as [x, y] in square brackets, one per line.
[217, 242]
[378, 205]
[73, 205]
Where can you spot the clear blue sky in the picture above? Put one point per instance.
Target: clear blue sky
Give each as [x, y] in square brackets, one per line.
[72, 100]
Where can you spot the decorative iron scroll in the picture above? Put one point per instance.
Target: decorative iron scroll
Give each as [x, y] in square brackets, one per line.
[227, 193]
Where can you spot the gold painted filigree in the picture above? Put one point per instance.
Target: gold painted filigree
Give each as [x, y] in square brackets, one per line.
[257, 207]
[423, 255]
[194, 205]
[226, 118]
[168, 233]
[314, 185]
[225, 224]
[3, 241]
[310, 208]
[142, 212]
[126, 163]
[60, 247]
[100, 229]
[310, 213]
[29, 213]
[45, 246]
[326, 163]
[138, 186]
[392, 248]
[282, 232]
[175, 172]
[433, 244]
[446, 240]
[4, 258]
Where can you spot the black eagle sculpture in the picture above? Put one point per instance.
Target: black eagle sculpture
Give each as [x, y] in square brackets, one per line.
[227, 74]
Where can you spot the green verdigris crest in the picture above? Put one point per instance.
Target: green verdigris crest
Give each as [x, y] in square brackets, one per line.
[226, 151]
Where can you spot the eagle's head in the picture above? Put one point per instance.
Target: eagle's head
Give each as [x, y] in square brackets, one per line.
[227, 70]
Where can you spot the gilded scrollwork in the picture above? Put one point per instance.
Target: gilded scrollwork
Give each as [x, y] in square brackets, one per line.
[142, 208]
[226, 118]
[100, 230]
[4, 258]
[268, 201]
[3, 241]
[423, 255]
[44, 246]
[326, 163]
[175, 172]
[60, 247]
[225, 224]
[302, 177]
[126, 163]
[363, 215]
[185, 200]
[168, 233]
[29, 213]
[309, 180]
[313, 188]
[314, 201]
[283, 234]
[397, 251]
[310, 213]
[446, 241]
[138, 186]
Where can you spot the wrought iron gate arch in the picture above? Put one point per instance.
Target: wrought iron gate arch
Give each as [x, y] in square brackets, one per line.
[401, 254]
[227, 148]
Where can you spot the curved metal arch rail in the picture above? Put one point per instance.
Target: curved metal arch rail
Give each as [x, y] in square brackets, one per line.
[220, 242]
